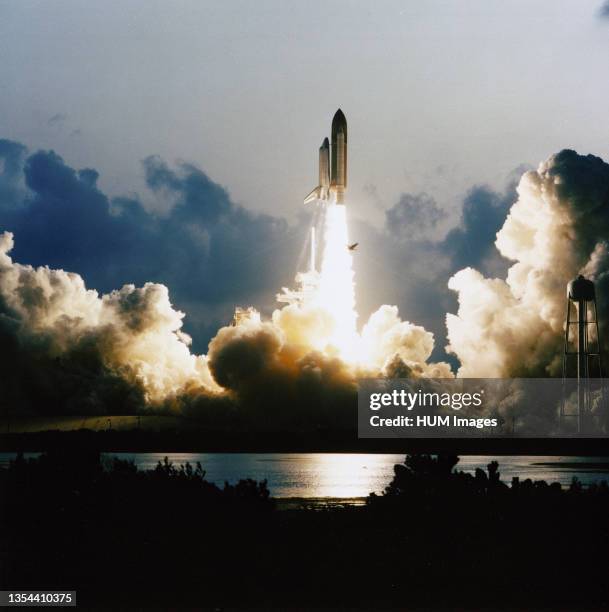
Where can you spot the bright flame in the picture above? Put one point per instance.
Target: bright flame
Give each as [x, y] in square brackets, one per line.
[336, 291]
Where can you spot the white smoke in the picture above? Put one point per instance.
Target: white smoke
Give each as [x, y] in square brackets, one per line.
[556, 229]
[387, 341]
[132, 334]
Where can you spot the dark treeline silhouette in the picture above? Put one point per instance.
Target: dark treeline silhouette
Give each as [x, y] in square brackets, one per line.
[436, 537]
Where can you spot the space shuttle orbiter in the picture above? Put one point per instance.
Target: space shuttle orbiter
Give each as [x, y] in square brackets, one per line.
[332, 164]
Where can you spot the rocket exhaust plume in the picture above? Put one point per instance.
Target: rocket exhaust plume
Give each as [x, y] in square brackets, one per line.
[336, 291]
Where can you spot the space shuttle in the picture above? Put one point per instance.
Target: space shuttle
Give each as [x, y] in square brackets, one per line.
[332, 164]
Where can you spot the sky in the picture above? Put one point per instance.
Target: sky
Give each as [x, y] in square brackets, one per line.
[200, 123]
[439, 95]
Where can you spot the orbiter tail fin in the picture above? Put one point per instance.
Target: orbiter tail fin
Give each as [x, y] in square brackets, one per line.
[314, 195]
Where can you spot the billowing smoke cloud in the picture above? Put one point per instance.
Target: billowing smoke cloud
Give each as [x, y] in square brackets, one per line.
[284, 369]
[286, 382]
[67, 349]
[556, 229]
[392, 343]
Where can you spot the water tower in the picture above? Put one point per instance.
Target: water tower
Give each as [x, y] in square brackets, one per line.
[582, 354]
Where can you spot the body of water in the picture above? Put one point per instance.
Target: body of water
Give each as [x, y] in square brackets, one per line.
[343, 475]
[356, 475]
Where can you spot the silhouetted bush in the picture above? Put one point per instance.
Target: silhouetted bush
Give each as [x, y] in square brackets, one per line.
[168, 537]
[428, 477]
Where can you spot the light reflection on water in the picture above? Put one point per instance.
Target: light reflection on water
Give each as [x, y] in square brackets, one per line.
[346, 475]
[356, 475]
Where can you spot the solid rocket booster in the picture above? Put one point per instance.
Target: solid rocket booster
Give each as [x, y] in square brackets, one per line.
[332, 164]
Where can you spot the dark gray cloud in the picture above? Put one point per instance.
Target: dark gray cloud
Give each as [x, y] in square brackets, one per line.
[212, 253]
[12, 156]
[604, 10]
[413, 217]
[472, 243]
